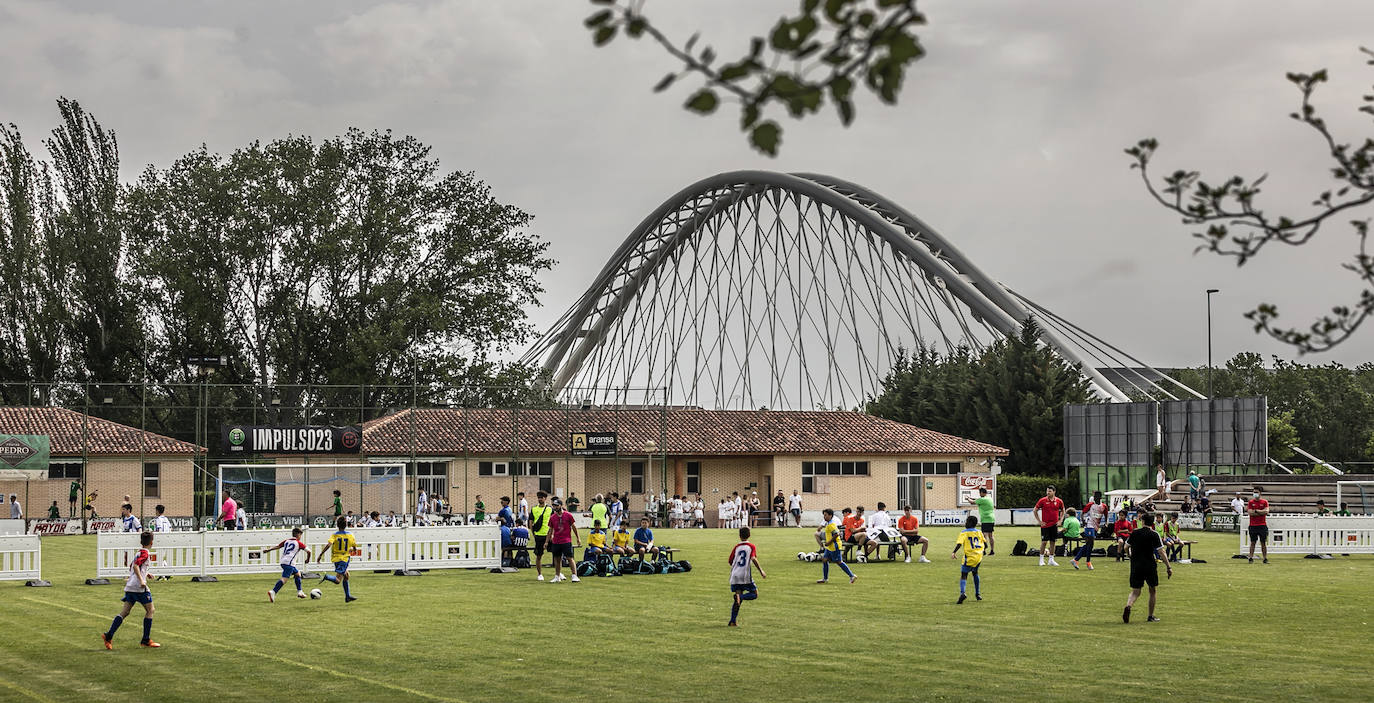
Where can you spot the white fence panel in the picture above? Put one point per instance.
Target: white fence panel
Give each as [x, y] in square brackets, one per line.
[379, 547]
[173, 553]
[454, 547]
[240, 551]
[1309, 534]
[21, 558]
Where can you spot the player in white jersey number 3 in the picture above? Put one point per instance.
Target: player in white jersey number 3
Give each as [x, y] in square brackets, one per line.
[743, 559]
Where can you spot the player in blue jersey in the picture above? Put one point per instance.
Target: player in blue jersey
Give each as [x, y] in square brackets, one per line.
[971, 541]
[290, 549]
[743, 558]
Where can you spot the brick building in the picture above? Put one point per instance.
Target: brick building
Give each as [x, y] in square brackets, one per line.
[833, 458]
[116, 459]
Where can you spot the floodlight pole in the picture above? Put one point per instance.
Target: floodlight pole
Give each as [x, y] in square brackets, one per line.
[1210, 291]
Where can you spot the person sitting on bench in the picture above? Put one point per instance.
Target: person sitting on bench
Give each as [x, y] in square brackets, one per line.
[644, 540]
[621, 543]
[596, 546]
[1122, 529]
[878, 525]
[855, 531]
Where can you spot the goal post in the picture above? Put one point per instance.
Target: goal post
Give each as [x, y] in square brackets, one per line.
[1363, 489]
[306, 491]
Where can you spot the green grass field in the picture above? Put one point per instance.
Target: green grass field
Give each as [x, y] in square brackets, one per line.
[1294, 629]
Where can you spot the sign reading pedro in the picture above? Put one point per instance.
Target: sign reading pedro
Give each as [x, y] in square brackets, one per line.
[593, 444]
[305, 439]
[24, 452]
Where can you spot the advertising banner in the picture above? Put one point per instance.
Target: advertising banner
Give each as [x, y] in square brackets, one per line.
[295, 439]
[592, 444]
[970, 483]
[1221, 522]
[24, 457]
[944, 517]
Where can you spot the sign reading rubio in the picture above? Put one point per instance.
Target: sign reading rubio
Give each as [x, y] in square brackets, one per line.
[24, 451]
[267, 439]
[593, 444]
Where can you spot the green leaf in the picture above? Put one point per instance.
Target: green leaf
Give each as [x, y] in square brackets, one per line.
[846, 108]
[662, 85]
[598, 19]
[636, 26]
[766, 136]
[703, 101]
[748, 116]
[603, 35]
[841, 87]
[692, 42]
[735, 71]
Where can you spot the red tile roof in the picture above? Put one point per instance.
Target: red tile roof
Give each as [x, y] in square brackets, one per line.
[680, 431]
[67, 428]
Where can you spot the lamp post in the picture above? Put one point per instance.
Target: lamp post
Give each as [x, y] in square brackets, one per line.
[1210, 291]
[650, 448]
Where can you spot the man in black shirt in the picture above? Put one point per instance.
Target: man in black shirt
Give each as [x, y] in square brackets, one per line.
[1145, 547]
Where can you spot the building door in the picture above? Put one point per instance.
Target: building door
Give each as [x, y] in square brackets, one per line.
[909, 491]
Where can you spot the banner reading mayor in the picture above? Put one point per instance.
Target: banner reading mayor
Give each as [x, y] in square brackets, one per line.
[300, 439]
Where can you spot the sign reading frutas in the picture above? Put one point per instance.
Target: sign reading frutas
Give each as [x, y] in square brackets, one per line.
[24, 452]
[593, 444]
[268, 439]
[1221, 522]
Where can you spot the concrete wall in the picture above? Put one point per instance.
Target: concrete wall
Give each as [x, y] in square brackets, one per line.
[113, 478]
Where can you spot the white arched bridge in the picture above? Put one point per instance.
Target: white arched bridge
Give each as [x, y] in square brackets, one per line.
[790, 290]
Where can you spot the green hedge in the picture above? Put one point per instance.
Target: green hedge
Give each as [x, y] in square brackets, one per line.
[1015, 491]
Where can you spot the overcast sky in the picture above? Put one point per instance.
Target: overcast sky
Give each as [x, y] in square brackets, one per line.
[1008, 138]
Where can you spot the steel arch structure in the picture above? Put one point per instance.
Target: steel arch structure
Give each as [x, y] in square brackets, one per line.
[786, 290]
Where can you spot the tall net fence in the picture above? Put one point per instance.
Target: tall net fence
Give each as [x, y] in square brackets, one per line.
[164, 444]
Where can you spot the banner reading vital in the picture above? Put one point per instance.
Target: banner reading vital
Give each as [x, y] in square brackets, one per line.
[24, 452]
[302, 439]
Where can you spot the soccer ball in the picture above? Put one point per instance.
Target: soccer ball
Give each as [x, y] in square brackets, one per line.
[316, 594]
[861, 559]
[810, 556]
[801, 556]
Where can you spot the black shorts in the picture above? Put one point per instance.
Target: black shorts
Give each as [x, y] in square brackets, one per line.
[539, 541]
[561, 549]
[1144, 575]
[1259, 533]
[987, 527]
[1049, 534]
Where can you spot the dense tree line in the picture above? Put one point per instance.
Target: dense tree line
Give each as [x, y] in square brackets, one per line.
[1012, 394]
[354, 261]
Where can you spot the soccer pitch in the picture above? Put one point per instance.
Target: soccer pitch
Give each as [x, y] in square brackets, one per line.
[1294, 629]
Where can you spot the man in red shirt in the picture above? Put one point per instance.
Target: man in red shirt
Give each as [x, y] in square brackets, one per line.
[1258, 510]
[562, 530]
[1049, 511]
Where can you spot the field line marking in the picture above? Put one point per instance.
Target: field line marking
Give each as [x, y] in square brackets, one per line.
[26, 692]
[273, 657]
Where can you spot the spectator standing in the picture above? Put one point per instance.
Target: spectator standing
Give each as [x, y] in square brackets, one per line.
[479, 510]
[421, 506]
[1049, 512]
[1194, 484]
[504, 515]
[240, 515]
[16, 510]
[699, 512]
[1237, 504]
[55, 514]
[754, 506]
[573, 503]
[1146, 546]
[562, 531]
[616, 509]
[599, 512]
[987, 517]
[73, 495]
[779, 509]
[522, 507]
[338, 504]
[128, 522]
[1258, 510]
[651, 507]
[794, 506]
[540, 517]
[229, 508]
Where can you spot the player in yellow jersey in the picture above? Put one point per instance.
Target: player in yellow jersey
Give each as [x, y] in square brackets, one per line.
[621, 542]
[341, 548]
[829, 537]
[971, 541]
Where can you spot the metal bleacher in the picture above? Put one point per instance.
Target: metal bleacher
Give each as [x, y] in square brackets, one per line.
[1285, 493]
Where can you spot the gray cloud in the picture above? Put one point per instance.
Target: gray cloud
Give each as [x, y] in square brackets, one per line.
[1008, 137]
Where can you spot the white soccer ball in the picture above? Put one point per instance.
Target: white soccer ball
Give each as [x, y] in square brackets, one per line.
[801, 556]
[861, 559]
[316, 594]
[810, 556]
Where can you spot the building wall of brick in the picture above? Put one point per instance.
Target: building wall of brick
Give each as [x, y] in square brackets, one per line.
[112, 478]
[879, 485]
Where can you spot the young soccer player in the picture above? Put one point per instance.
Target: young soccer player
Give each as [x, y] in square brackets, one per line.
[136, 591]
[127, 521]
[341, 547]
[829, 537]
[596, 545]
[743, 558]
[290, 548]
[621, 542]
[971, 541]
[644, 539]
[161, 523]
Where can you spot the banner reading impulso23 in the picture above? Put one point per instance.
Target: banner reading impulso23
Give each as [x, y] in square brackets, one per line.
[301, 439]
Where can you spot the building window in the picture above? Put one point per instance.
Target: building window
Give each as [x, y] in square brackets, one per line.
[61, 470]
[693, 477]
[928, 468]
[636, 477]
[152, 483]
[542, 469]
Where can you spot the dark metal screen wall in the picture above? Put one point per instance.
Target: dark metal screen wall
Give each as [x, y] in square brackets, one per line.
[1216, 432]
[1109, 434]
